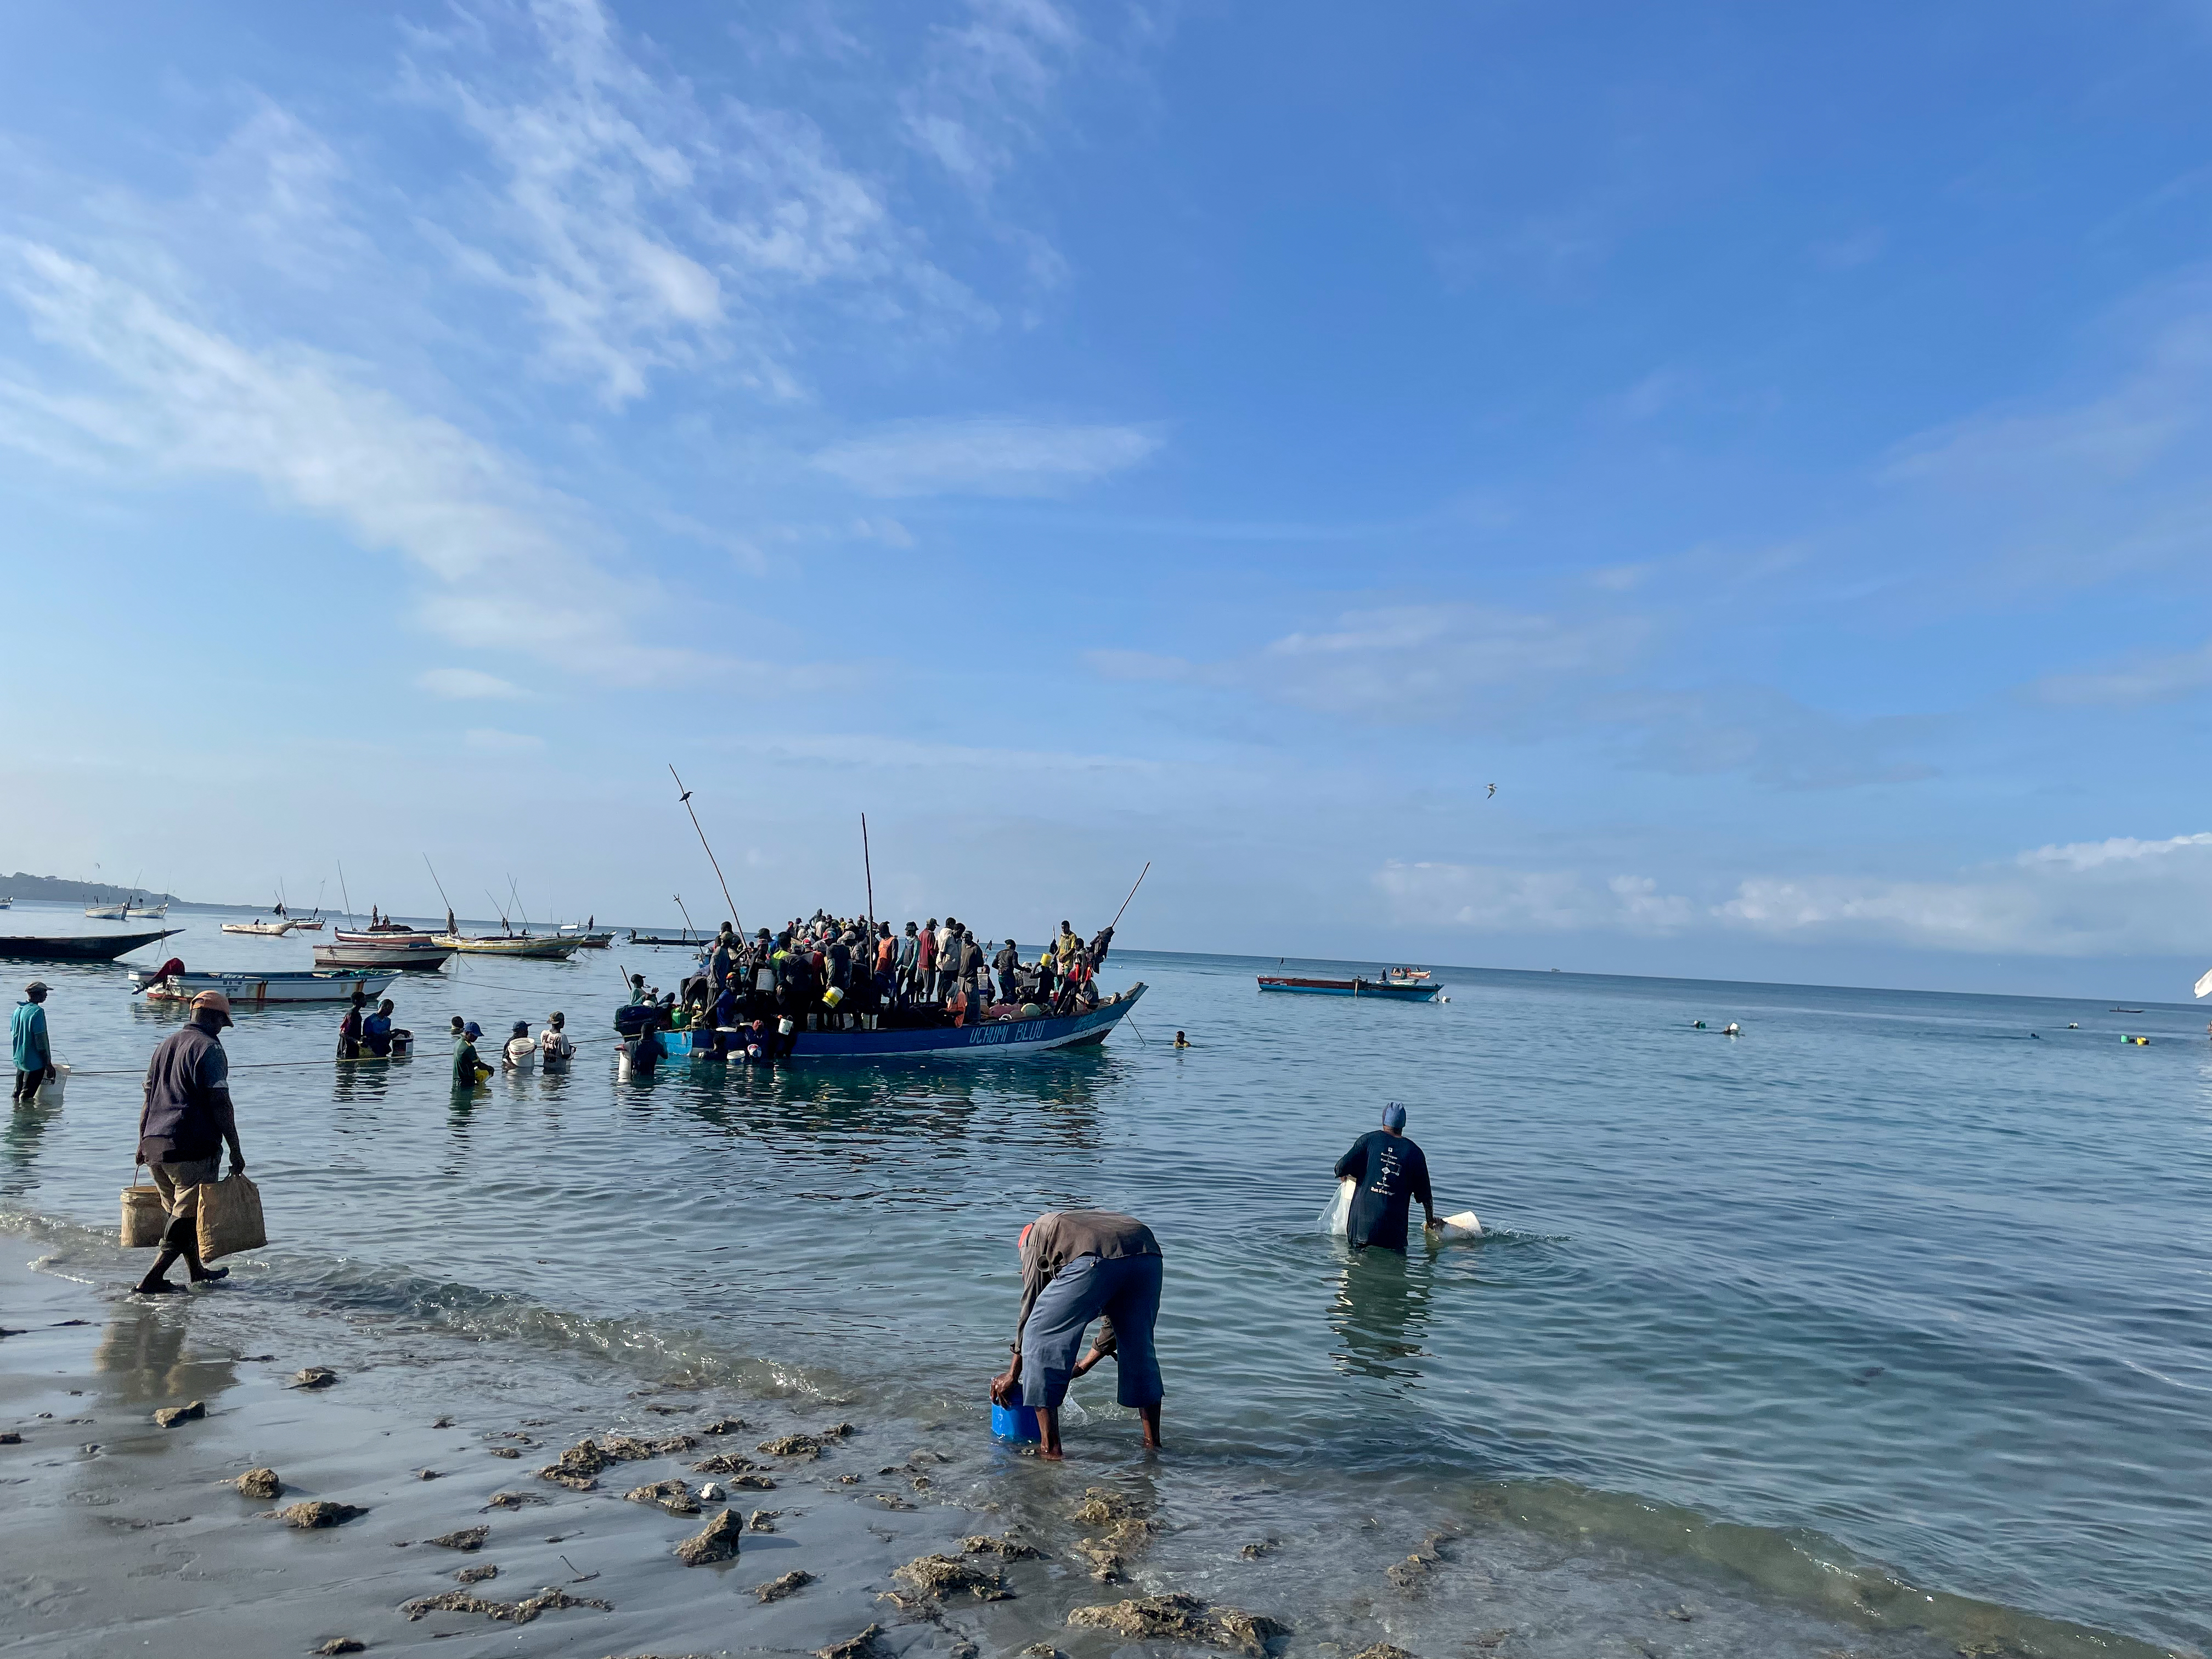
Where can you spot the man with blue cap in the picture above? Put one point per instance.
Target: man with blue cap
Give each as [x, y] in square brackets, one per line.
[1392, 1172]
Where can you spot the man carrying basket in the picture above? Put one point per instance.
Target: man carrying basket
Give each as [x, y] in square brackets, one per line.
[186, 1122]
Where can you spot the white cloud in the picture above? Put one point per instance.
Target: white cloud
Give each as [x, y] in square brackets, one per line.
[984, 456]
[1437, 657]
[645, 231]
[460, 684]
[493, 741]
[983, 83]
[513, 562]
[2145, 680]
[2121, 896]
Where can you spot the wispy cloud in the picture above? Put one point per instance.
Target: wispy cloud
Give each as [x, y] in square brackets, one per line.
[647, 231]
[491, 740]
[864, 750]
[2120, 897]
[463, 684]
[2146, 679]
[514, 565]
[983, 82]
[984, 456]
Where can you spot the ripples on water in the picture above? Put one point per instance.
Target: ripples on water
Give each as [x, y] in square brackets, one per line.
[1886, 1271]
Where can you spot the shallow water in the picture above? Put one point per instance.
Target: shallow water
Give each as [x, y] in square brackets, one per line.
[1888, 1283]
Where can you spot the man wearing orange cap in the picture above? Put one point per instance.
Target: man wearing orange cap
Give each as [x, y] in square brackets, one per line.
[187, 1121]
[1077, 1265]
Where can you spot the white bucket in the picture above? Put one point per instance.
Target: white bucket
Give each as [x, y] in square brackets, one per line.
[49, 1094]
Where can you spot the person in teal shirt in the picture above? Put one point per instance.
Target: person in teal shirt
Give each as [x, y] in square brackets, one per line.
[34, 1052]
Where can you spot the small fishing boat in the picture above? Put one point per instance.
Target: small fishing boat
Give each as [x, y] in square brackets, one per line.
[270, 929]
[306, 985]
[1395, 991]
[311, 925]
[429, 956]
[1408, 976]
[998, 1036]
[552, 948]
[107, 912]
[584, 940]
[96, 947]
[148, 912]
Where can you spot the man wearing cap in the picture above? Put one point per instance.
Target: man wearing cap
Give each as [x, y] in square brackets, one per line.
[1076, 1265]
[468, 1069]
[185, 1123]
[34, 1051]
[1392, 1172]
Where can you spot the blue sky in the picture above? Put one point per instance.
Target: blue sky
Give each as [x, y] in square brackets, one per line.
[1773, 446]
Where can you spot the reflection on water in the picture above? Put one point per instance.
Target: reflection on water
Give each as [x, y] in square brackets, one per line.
[140, 1358]
[27, 1127]
[1381, 1308]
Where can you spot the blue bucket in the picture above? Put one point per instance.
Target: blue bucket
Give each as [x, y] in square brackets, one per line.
[1016, 1423]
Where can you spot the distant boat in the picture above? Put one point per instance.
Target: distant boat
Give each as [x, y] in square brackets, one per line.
[315, 985]
[107, 912]
[5, 902]
[311, 925]
[149, 912]
[91, 947]
[272, 929]
[552, 948]
[585, 938]
[398, 948]
[1355, 986]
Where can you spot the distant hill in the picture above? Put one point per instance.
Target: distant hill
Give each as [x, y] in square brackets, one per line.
[61, 889]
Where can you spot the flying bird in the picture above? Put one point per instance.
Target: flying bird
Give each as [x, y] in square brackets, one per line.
[1493, 790]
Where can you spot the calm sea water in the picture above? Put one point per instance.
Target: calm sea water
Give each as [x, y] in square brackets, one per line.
[1894, 1283]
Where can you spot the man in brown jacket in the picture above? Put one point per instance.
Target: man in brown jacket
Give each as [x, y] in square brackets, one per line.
[185, 1123]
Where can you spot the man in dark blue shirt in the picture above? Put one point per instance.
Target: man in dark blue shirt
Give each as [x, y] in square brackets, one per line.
[1392, 1172]
[185, 1125]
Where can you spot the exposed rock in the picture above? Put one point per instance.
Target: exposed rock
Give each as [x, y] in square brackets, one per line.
[1101, 1507]
[1265, 1546]
[1177, 1617]
[1381, 1650]
[848, 1480]
[561, 1477]
[342, 1644]
[312, 1376]
[853, 1647]
[835, 1431]
[259, 1483]
[792, 1445]
[726, 1426]
[478, 1575]
[921, 1483]
[890, 1500]
[671, 1495]
[712, 1492]
[506, 1451]
[669, 1445]
[512, 1500]
[1042, 1650]
[715, 1541]
[940, 1575]
[624, 1449]
[752, 1482]
[517, 1613]
[1124, 1541]
[776, 1589]
[1005, 1545]
[762, 1520]
[169, 1416]
[1684, 1612]
[10, 1438]
[429, 1474]
[443, 1423]
[722, 1463]
[318, 1513]
[468, 1538]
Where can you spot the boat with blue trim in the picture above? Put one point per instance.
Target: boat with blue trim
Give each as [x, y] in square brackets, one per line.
[1011, 1036]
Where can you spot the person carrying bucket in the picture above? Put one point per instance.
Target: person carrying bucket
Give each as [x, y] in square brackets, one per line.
[1076, 1265]
[1391, 1172]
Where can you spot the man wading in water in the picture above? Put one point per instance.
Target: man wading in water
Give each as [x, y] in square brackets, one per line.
[1077, 1265]
[1391, 1172]
[187, 1121]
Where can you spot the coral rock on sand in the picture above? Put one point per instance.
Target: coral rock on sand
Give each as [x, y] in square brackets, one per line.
[792, 1445]
[1381, 1650]
[468, 1538]
[1408, 1574]
[722, 1463]
[318, 1513]
[343, 1644]
[776, 1589]
[477, 1575]
[726, 1426]
[11, 1439]
[1101, 1507]
[512, 1500]
[169, 1416]
[506, 1451]
[669, 1445]
[671, 1495]
[853, 1647]
[939, 1575]
[762, 1520]
[752, 1482]
[715, 1541]
[1006, 1545]
[259, 1483]
[624, 1449]
[313, 1377]
[1178, 1618]
[516, 1612]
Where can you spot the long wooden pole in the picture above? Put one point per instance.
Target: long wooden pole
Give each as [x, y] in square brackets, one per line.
[869, 869]
[1133, 885]
[686, 799]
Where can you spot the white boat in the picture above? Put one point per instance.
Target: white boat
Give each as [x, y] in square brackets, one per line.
[153, 912]
[554, 949]
[317, 985]
[353, 951]
[107, 912]
[311, 925]
[272, 929]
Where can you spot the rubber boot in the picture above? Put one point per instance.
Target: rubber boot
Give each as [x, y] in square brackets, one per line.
[181, 1232]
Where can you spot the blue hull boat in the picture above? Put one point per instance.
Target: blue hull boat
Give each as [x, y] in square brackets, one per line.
[998, 1036]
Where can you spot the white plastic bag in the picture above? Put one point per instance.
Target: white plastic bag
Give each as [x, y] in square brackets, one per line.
[1336, 1220]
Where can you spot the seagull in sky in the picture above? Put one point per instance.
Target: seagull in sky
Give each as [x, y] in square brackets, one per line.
[1493, 790]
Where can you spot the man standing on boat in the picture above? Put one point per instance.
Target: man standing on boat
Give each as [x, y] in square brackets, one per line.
[1076, 1265]
[1392, 1172]
[34, 1049]
[185, 1123]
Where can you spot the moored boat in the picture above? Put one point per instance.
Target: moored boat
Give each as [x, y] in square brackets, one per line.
[148, 912]
[304, 985]
[536, 946]
[992, 1037]
[269, 929]
[1391, 989]
[414, 958]
[107, 912]
[90, 947]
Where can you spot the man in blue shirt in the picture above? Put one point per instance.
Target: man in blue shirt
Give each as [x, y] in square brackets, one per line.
[34, 1053]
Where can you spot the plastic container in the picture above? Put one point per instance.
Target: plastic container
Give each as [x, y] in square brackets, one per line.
[1015, 1424]
[49, 1094]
